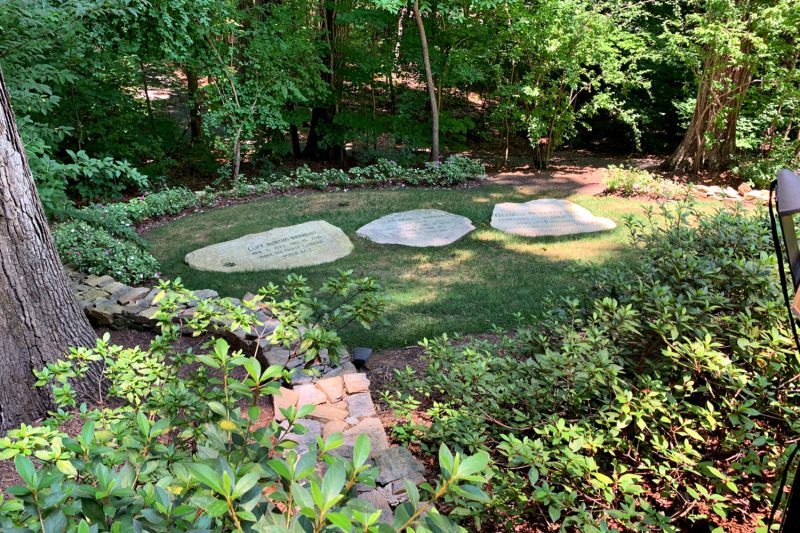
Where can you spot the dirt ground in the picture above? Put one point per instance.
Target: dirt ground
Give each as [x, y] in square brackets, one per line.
[576, 171]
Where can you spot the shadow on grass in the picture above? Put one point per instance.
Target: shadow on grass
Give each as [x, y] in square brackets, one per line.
[483, 279]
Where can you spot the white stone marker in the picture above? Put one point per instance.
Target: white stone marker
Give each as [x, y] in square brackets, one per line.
[309, 243]
[539, 218]
[418, 227]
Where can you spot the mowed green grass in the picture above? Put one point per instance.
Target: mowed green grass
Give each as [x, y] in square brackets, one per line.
[466, 287]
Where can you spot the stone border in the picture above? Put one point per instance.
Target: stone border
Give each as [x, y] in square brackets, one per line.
[343, 404]
[341, 395]
[744, 192]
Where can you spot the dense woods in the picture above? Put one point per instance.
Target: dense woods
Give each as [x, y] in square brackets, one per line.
[140, 92]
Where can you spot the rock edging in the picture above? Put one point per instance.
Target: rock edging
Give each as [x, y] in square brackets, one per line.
[341, 396]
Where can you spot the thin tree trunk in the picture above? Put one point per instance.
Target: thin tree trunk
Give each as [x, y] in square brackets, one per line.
[429, 82]
[147, 95]
[195, 118]
[237, 155]
[40, 319]
[295, 136]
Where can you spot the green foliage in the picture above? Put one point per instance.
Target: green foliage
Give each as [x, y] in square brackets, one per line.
[455, 170]
[172, 443]
[760, 170]
[637, 182]
[671, 378]
[103, 179]
[94, 250]
[102, 239]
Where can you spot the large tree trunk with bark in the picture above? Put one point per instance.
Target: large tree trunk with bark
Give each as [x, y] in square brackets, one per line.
[426, 60]
[39, 318]
[710, 140]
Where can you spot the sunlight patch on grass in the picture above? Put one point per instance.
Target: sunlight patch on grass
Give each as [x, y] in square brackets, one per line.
[482, 279]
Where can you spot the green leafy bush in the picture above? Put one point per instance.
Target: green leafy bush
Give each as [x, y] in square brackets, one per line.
[662, 399]
[102, 239]
[454, 170]
[636, 182]
[94, 250]
[104, 179]
[172, 443]
[759, 171]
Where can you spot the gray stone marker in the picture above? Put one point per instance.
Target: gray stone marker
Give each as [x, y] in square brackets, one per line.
[309, 243]
[418, 227]
[539, 218]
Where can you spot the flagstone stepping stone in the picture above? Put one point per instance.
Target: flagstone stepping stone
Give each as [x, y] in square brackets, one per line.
[547, 217]
[306, 244]
[418, 227]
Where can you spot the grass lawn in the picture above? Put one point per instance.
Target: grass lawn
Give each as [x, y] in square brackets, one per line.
[466, 287]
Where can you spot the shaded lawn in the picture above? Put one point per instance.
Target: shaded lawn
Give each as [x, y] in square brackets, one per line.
[466, 287]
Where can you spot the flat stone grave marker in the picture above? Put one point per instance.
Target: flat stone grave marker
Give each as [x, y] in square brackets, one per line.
[418, 227]
[306, 244]
[547, 217]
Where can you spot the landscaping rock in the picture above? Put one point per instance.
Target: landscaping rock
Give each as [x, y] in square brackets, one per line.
[94, 294]
[99, 281]
[328, 413]
[730, 192]
[743, 189]
[133, 295]
[283, 399]
[116, 289]
[308, 439]
[309, 394]
[103, 314]
[378, 499]
[149, 313]
[373, 429]
[757, 196]
[205, 294]
[332, 387]
[397, 464]
[334, 426]
[360, 405]
[277, 356]
[355, 383]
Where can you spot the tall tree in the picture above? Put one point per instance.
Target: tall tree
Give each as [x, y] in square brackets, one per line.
[426, 60]
[40, 318]
[724, 40]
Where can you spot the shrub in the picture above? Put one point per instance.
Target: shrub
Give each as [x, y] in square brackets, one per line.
[104, 178]
[94, 250]
[759, 171]
[637, 182]
[454, 170]
[101, 238]
[658, 401]
[172, 444]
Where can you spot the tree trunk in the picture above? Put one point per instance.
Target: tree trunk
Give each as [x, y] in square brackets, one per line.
[195, 118]
[720, 96]
[426, 60]
[146, 88]
[39, 317]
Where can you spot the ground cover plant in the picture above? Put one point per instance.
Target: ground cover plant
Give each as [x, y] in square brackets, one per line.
[173, 440]
[483, 279]
[638, 182]
[664, 399]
